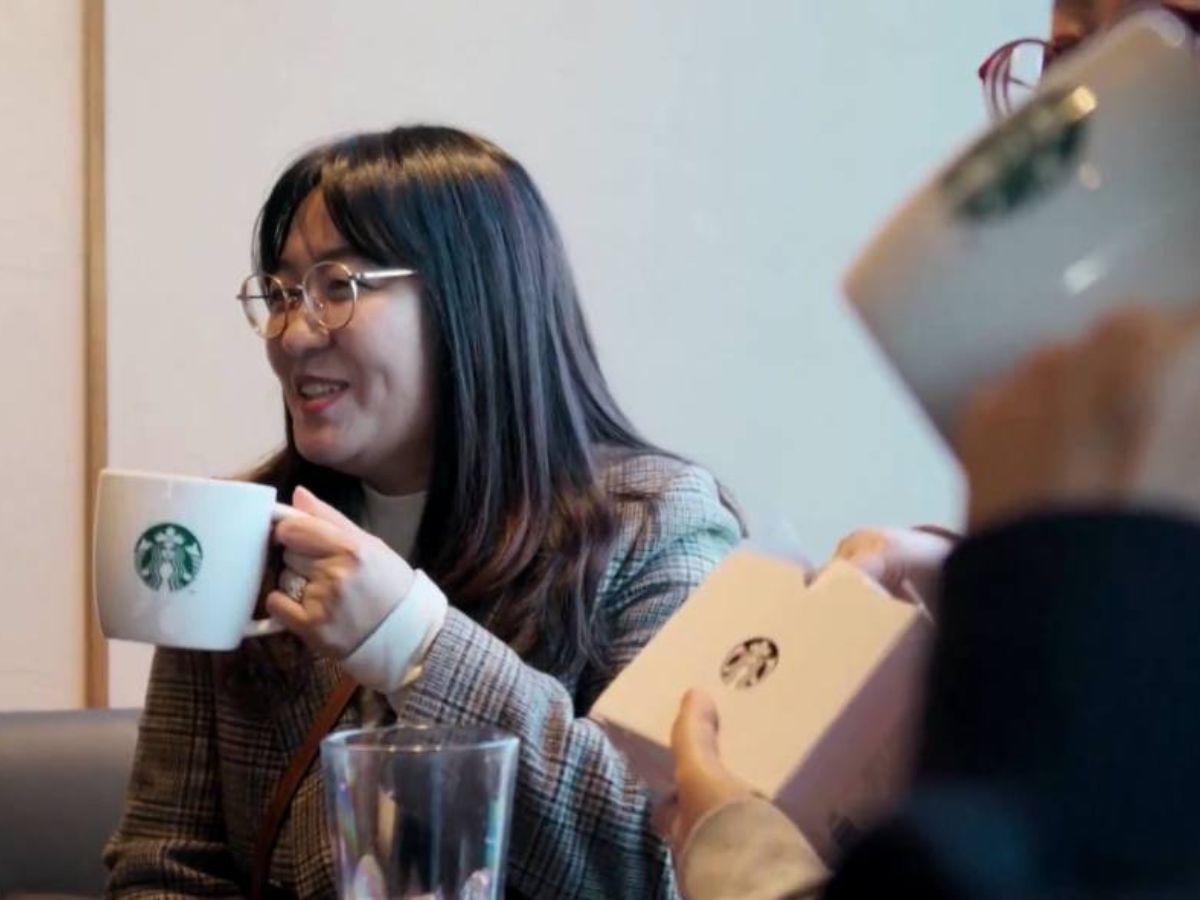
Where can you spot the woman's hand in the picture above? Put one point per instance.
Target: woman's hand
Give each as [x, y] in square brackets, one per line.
[900, 560]
[1111, 419]
[702, 783]
[354, 580]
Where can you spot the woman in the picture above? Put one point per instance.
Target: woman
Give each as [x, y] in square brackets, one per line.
[445, 410]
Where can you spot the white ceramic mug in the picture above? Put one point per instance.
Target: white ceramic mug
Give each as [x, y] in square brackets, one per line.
[1085, 200]
[178, 561]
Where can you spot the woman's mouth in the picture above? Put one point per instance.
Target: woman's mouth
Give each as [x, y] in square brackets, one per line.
[316, 395]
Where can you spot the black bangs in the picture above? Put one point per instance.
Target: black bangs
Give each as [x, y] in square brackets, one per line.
[353, 176]
[275, 218]
[378, 188]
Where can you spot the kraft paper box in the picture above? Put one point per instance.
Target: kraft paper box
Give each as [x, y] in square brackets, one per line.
[817, 687]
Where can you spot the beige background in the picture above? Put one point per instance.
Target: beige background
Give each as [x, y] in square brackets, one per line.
[42, 363]
[712, 165]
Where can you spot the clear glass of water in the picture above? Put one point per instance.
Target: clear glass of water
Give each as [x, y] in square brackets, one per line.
[420, 812]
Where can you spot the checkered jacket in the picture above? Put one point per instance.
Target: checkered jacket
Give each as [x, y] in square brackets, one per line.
[206, 766]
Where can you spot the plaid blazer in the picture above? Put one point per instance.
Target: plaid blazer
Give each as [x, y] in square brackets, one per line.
[206, 766]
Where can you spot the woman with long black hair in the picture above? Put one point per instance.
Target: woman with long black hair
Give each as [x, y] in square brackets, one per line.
[488, 540]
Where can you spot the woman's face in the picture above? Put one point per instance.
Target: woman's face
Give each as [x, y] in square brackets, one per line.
[361, 398]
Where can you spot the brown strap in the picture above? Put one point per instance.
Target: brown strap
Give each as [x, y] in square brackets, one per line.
[285, 789]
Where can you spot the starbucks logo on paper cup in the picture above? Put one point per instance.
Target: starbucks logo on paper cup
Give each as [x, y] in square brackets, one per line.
[750, 662]
[167, 554]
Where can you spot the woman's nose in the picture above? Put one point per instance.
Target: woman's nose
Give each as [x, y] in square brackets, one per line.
[301, 334]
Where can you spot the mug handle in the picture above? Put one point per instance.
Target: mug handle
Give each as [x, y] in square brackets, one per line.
[263, 627]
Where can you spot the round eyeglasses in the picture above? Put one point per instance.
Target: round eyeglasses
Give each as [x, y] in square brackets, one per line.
[327, 296]
[1011, 72]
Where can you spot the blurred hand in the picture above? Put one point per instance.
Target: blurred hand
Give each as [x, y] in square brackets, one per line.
[897, 559]
[354, 578]
[1111, 419]
[702, 783]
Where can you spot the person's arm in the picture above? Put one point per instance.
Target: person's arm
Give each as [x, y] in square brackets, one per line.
[171, 839]
[728, 842]
[1059, 745]
[1056, 741]
[581, 822]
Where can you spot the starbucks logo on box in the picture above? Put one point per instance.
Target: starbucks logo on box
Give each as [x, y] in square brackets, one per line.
[750, 662]
[167, 554]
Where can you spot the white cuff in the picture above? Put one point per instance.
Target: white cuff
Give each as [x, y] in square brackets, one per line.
[391, 656]
[747, 849]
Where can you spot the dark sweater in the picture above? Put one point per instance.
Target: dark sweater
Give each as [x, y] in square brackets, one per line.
[1061, 749]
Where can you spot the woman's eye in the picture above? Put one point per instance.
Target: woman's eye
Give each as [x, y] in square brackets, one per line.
[276, 300]
[340, 289]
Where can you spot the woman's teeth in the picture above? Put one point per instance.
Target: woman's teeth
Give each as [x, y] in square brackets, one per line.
[311, 391]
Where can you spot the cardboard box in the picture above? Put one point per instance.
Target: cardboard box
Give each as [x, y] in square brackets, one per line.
[817, 687]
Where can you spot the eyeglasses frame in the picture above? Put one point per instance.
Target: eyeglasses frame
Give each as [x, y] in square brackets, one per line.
[299, 295]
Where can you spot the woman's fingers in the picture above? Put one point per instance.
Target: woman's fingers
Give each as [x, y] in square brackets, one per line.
[1093, 421]
[290, 613]
[302, 563]
[306, 501]
[902, 561]
[316, 537]
[303, 615]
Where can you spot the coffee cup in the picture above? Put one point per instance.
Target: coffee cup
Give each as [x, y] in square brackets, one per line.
[178, 561]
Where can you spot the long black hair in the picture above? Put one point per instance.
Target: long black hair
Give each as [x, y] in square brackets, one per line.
[518, 524]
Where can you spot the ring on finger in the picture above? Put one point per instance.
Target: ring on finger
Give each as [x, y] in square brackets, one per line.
[293, 584]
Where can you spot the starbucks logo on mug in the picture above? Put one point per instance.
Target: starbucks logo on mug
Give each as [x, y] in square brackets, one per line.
[167, 554]
[750, 662]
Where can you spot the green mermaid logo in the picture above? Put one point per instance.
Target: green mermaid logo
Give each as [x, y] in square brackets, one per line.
[167, 554]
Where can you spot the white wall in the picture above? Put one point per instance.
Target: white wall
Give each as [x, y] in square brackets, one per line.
[42, 363]
[713, 166]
